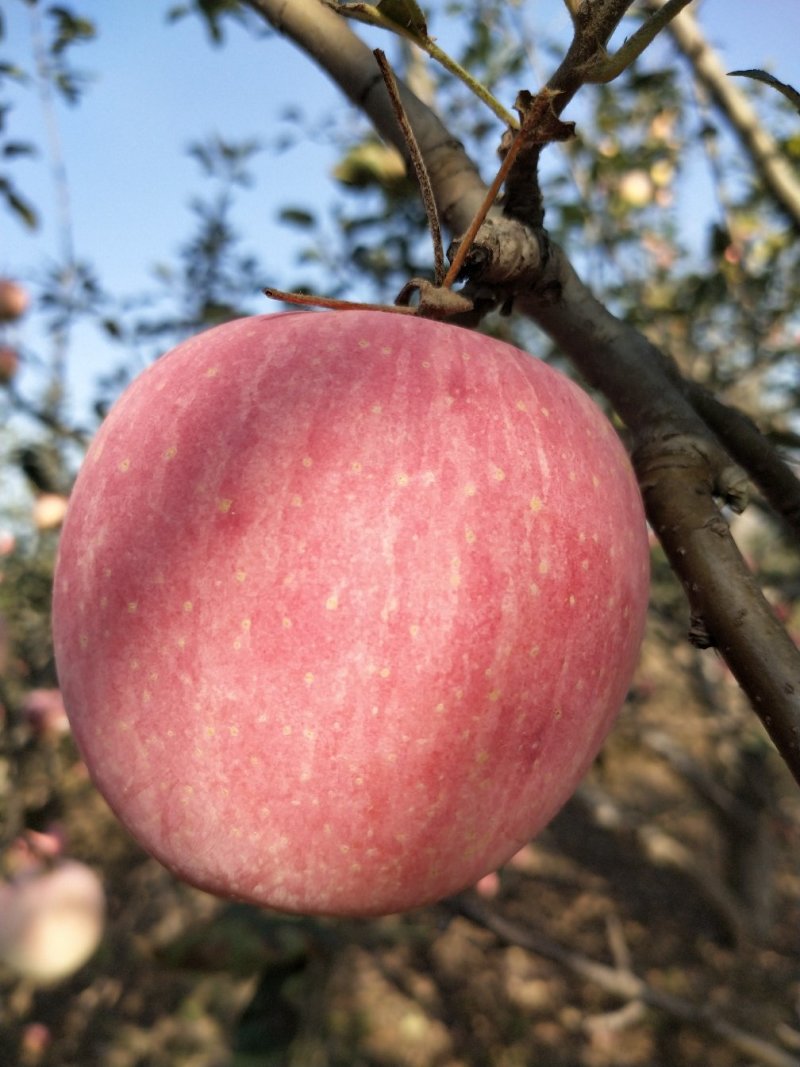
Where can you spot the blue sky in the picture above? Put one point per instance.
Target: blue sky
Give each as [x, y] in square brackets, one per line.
[157, 88]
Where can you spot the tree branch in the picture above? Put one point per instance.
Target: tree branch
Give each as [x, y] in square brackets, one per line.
[612, 66]
[593, 25]
[775, 170]
[680, 463]
[587, 60]
[748, 446]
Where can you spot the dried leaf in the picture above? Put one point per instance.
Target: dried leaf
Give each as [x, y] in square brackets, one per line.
[538, 119]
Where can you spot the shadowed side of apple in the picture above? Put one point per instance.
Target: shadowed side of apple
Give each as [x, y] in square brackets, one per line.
[345, 605]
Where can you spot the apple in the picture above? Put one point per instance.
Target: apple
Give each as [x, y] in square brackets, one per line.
[9, 364]
[636, 188]
[49, 510]
[14, 300]
[36, 1039]
[43, 710]
[51, 920]
[345, 605]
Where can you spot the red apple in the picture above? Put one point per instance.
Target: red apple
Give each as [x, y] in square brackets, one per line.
[14, 300]
[43, 710]
[345, 605]
[9, 364]
[36, 1039]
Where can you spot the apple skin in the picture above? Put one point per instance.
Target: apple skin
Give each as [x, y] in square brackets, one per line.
[345, 605]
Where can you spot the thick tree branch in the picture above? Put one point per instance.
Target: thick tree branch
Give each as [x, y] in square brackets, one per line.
[775, 170]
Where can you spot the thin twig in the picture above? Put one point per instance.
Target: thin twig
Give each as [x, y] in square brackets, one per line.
[482, 93]
[611, 66]
[521, 139]
[621, 982]
[479, 218]
[68, 274]
[423, 179]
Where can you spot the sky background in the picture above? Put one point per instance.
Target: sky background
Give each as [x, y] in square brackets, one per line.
[155, 88]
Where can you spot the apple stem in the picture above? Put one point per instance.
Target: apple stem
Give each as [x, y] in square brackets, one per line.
[310, 300]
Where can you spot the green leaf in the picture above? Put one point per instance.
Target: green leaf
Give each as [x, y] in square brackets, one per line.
[788, 91]
[18, 148]
[178, 11]
[406, 14]
[401, 16]
[69, 29]
[297, 216]
[11, 70]
[21, 208]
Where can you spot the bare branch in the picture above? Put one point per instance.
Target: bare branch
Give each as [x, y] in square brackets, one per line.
[622, 983]
[612, 66]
